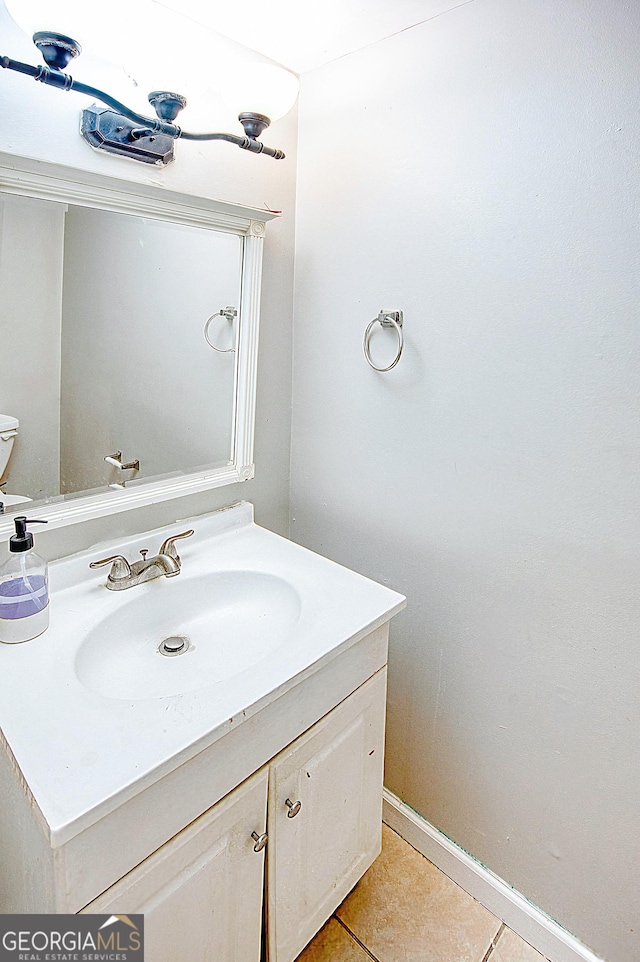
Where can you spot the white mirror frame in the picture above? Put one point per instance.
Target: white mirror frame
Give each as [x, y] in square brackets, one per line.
[52, 182]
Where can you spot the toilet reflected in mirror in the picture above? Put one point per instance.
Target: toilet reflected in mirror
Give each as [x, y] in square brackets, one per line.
[8, 433]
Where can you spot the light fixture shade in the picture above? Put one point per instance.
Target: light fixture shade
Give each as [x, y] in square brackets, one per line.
[176, 54]
[97, 30]
[261, 88]
[34, 15]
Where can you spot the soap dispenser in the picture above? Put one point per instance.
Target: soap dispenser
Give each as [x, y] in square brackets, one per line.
[24, 588]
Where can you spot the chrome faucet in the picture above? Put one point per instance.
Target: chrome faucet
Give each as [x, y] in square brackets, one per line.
[124, 575]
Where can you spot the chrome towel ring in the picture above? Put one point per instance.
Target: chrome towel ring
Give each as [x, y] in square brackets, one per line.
[385, 319]
[229, 313]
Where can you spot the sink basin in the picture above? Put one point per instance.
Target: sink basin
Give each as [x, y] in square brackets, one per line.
[229, 621]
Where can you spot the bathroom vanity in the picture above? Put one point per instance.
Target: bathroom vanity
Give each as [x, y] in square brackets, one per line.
[228, 793]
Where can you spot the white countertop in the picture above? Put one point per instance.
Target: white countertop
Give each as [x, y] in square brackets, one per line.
[83, 753]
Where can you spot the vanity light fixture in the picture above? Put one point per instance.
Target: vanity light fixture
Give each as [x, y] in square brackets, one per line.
[116, 129]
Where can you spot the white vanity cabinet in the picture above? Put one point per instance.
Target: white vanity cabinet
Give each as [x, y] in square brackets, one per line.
[202, 892]
[325, 817]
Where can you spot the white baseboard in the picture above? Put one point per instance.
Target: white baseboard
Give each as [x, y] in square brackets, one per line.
[528, 921]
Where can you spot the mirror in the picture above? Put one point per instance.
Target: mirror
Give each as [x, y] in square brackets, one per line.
[121, 364]
[129, 322]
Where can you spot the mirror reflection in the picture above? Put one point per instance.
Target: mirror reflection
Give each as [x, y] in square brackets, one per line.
[103, 359]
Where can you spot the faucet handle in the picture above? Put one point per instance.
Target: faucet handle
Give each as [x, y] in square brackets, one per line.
[168, 547]
[120, 567]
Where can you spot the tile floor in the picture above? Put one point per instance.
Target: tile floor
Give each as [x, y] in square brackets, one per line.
[405, 910]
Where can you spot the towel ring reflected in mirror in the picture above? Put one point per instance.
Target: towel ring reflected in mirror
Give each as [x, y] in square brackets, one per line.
[230, 313]
[393, 319]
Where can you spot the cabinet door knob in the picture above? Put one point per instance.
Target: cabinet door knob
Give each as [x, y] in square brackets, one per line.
[260, 840]
[294, 807]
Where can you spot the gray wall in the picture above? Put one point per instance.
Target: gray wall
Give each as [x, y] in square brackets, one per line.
[482, 176]
[31, 237]
[43, 123]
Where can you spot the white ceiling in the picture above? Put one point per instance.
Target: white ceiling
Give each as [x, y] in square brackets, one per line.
[302, 35]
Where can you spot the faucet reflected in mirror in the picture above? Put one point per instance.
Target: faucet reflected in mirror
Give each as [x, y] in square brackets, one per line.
[124, 575]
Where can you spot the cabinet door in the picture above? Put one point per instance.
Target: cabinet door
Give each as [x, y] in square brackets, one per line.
[201, 893]
[320, 848]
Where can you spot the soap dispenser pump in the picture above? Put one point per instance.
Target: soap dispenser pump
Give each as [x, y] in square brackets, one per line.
[24, 588]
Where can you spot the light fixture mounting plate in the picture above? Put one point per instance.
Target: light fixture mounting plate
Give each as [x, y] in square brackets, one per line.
[106, 129]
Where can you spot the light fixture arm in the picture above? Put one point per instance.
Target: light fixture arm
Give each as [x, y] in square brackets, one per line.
[149, 128]
[63, 81]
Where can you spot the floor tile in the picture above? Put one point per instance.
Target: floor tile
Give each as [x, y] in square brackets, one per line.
[511, 948]
[333, 944]
[405, 910]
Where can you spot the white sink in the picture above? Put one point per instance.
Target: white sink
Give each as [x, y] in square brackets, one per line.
[92, 711]
[228, 622]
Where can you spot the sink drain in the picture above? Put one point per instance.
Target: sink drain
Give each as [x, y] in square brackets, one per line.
[174, 645]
